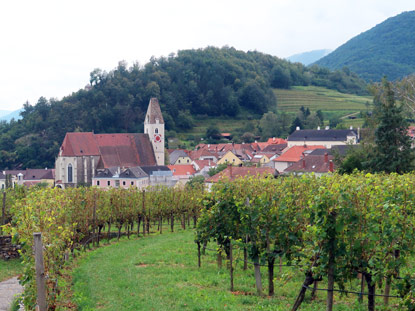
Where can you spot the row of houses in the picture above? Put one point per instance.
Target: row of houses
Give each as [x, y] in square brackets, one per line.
[303, 151]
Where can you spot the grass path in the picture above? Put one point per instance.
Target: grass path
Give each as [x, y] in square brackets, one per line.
[10, 268]
[160, 273]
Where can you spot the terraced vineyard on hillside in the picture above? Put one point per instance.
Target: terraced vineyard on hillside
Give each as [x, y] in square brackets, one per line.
[329, 101]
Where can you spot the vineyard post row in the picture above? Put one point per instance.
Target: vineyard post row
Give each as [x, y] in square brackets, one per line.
[71, 218]
[335, 227]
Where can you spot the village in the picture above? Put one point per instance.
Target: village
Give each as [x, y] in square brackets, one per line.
[141, 160]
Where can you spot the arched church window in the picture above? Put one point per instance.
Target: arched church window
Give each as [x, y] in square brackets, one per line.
[157, 130]
[70, 176]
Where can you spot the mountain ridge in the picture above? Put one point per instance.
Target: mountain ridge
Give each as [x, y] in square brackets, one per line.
[384, 50]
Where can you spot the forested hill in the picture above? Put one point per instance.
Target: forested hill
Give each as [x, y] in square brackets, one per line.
[209, 82]
[387, 49]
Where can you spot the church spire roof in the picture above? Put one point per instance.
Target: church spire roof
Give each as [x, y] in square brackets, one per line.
[154, 112]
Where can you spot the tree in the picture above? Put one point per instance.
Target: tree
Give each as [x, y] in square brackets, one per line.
[213, 132]
[248, 137]
[270, 125]
[392, 152]
[296, 123]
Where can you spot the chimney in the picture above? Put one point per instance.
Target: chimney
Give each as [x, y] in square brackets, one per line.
[297, 128]
[303, 160]
[303, 164]
[331, 166]
[318, 128]
[351, 127]
[326, 157]
[273, 139]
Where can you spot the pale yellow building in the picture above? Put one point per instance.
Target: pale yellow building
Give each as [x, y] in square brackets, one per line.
[230, 158]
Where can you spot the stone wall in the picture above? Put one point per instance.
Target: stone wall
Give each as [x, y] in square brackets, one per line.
[7, 249]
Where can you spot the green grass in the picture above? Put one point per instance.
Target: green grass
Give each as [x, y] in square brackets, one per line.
[160, 272]
[10, 268]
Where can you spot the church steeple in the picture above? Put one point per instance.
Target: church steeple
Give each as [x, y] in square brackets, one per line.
[154, 127]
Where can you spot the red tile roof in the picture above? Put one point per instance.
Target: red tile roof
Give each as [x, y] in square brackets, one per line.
[313, 163]
[259, 145]
[79, 144]
[234, 172]
[276, 141]
[203, 163]
[123, 150]
[294, 153]
[182, 170]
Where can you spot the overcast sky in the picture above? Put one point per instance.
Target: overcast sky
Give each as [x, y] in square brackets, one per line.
[48, 48]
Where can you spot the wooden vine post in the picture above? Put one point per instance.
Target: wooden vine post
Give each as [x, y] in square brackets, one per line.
[40, 272]
[330, 274]
[199, 264]
[230, 262]
[94, 221]
[144, 212]
[3, 212]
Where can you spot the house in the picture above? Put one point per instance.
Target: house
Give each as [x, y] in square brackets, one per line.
[326, 138]
[179, 157]
[293, 155]
[82, 154]
[204, 154]
[202, 167]
[318, 164]
[231, 173]
[133, 177]
[182, 173]
[121, 178]
[28, 177]
[230, 158]
[33, 177]
[159, 175]
[260, 159]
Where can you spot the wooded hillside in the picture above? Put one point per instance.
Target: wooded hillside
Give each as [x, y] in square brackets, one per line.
[385, 50]
[209, 82]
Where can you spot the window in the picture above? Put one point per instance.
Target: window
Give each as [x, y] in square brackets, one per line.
[117, 183]
[187, 160]
[97, 182]
[109, 183]
[156, 130]
[123, 183]
[132, 183]
[70, 177]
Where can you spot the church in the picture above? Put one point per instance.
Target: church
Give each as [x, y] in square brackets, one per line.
[83, 155]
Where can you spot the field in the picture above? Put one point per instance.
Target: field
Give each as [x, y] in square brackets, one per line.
[160, 272]
[330, 102]
[315, 98]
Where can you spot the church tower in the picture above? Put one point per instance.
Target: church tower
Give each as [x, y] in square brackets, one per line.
[154, 127]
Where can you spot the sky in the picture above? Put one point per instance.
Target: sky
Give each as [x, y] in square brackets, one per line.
[48, 48]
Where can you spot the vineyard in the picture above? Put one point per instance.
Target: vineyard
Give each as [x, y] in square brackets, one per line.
[70, 219]
[335, 229]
